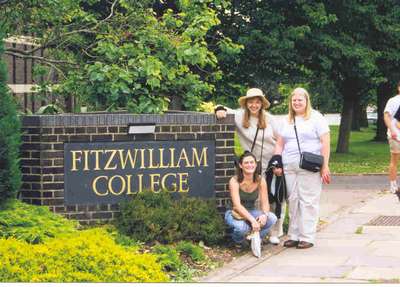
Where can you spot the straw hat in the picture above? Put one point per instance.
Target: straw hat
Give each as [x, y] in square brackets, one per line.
[251, 93]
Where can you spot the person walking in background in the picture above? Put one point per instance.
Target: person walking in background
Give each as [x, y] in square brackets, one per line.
[391, 117]
[245, 188]
[303, 186]
[256, 130]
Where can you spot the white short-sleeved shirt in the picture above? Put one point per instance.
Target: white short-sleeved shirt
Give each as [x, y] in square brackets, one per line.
[309, 133]
[391, 108]
[246, 135]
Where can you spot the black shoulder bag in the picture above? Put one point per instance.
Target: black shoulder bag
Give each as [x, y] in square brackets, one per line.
[308, 160]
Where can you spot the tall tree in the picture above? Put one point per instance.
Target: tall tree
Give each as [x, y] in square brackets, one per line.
[118, 54]
[340, 51]
[385, 38]
[269, 56]
[10, 174]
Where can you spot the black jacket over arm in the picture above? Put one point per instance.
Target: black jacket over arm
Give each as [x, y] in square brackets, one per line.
[280, 185]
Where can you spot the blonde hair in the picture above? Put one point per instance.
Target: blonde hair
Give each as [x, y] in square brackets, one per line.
[262, 123]
[303, 92]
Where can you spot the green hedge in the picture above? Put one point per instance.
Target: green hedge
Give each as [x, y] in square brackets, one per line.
[10, 138]
[31, 223]
[86, 256]
[150, 217]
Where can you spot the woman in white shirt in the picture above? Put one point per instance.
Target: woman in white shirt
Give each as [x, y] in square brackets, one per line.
[303, 186]
[252, 114]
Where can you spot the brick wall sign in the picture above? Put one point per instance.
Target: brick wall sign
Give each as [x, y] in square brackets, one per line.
[108, 172]
[83, 165]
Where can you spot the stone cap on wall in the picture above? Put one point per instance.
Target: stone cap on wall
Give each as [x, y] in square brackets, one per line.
[98, 119]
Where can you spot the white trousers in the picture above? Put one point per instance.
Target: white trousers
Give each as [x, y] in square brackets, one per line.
[277, 228]
[304, 191]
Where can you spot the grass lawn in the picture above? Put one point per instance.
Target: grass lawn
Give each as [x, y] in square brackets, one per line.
[365, 155]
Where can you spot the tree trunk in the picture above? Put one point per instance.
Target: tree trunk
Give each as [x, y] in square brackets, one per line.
[69, 104]
[349, 93]
[355, 120]
[176, 103]
[363, 117]
[384, 93]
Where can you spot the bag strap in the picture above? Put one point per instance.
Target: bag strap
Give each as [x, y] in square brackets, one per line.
[262, 148]
[262, 145]
[254, 140]
[295, 130]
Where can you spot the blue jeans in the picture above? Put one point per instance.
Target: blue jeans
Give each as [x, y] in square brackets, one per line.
[242, 227]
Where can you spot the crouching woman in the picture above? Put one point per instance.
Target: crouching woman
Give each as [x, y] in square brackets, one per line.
[245, 188]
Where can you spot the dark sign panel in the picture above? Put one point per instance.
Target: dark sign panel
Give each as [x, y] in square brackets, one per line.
[108, 172]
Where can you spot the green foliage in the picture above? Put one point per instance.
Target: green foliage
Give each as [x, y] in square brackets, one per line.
[173, 258]
[50, 109]
[33, 224]
[153, 217]
[168, 257]
[200, 220]
[10, 138]
[127, 54]
[87, 256]
[195, 252]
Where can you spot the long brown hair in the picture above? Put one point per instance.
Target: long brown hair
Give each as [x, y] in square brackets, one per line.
[262, 123]
[239, 171]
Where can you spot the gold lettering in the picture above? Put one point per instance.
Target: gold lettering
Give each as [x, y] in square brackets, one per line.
[173, 184]
[183, 156]
[142, 158]
[128, 156]
[123, 185]
[195, 156]
[172, 156]
[161, 151]
[154, 182]
[128, 184]
[97, 161]
[110, 159]
[140, 180]
[183, 178]
[75, 159]
[151, 163]
[94, 185]
[86, 155]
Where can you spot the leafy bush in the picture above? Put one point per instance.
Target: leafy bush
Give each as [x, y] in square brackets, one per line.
[87, 256]
[10, 138]
[33, 224]
[193, 251]
[153, 217]
[200, 220]
[168, 257]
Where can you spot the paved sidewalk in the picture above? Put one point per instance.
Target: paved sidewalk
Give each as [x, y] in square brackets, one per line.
[347, 250]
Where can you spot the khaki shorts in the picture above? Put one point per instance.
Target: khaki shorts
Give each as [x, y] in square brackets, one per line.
[394, 145]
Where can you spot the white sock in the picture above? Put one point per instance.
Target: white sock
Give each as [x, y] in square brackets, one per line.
[393, 186]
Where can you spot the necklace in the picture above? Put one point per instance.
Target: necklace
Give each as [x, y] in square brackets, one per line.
[247, 186]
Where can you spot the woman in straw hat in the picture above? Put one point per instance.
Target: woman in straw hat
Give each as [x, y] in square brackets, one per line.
[251, 115]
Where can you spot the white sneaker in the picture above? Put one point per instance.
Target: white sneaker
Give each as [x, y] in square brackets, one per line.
[274, 240]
